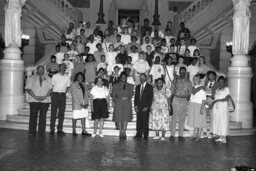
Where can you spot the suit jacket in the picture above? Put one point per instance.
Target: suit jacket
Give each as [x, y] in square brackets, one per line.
[77, 96]
[214, 86]
[146, 99]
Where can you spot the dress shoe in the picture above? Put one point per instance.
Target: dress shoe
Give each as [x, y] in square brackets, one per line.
[86, 134]
[32, 134]
[61, 133]
[171, 138]
[137, 137]
[181, 139]
[51, 133]
[145, 138]
[41, 134]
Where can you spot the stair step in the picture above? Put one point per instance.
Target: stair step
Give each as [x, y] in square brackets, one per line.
[111, 132]
[107, 124]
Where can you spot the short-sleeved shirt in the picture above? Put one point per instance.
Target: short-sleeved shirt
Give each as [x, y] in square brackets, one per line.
[59, 57]
[33, 84]
[199, 96]
[157, 71]
[60, 83]
[181, 87]
[99, 92]
[141, 66]
[193, 70]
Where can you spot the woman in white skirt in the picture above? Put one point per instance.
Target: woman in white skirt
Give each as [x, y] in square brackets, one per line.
[79, 102]
[220, 111]
[196, 109]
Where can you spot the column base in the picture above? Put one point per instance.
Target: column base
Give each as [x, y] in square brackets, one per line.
[11, 83]
[239, 83]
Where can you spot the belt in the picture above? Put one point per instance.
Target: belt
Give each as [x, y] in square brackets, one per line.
[180, 97]
[124, 98]
[58, 93]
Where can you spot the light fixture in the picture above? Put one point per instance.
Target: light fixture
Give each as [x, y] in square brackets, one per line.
[229, 45]
[24, 42]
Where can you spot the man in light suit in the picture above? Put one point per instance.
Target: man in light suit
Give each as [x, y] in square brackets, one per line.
[142, 104]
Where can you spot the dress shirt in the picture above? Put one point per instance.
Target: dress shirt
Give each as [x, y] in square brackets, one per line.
[60, 83]
[59, 57]
[33, 84]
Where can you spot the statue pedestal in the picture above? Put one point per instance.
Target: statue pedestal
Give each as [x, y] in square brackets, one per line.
[239, 82]
[11, 82]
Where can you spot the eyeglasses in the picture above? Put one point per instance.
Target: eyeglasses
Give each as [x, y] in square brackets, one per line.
[124, 87]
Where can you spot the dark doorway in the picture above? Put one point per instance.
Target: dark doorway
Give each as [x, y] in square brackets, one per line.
[131, 14]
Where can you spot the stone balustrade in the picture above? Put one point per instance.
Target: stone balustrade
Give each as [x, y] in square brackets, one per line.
[66, 8]
[193, 9]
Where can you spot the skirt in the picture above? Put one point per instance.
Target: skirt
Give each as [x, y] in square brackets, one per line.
[78, 114]
[195, 118]
[100, 108]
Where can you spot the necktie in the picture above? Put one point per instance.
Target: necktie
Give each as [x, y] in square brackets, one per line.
[40, 81]
[210, 86]
[141, 91]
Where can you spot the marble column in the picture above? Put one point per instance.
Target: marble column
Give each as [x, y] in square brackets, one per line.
[12, 67]
[240, 72]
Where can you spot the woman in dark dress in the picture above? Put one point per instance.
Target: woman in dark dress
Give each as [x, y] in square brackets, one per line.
[122, 95]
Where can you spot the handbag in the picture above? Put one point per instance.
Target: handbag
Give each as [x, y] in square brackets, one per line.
[231, 105]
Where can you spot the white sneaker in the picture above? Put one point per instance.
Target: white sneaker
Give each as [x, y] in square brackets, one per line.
[162, 138]
[93, 135]
[210, 136]
[156, 138]
[101, 135]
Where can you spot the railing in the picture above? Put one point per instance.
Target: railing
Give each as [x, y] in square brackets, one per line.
[73, 14]
[193, 9]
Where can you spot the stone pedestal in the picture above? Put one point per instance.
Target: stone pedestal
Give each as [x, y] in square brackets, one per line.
[239, 82]
[12, 82]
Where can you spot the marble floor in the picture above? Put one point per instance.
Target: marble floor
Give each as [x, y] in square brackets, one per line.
[18, 151]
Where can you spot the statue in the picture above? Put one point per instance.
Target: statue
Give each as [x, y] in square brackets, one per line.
[13, 9]
[112, 10]
[241, 25]
[144, 9]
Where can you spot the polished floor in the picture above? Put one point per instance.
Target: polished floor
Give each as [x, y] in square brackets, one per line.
[18, 151]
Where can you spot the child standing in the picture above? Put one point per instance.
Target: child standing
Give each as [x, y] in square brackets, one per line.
[196, 110]
[90, 70]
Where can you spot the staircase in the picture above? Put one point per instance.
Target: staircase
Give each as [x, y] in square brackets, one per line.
[21, 121]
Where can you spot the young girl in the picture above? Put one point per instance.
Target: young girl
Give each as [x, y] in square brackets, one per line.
[90, 70]
[180, 64]
[72, 53]
[79, 45]
[196, 110]
[139, 67]
[125, 37]
[157, 70]
[111, 58]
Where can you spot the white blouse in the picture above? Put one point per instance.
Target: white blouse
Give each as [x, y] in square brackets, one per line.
[99, 92]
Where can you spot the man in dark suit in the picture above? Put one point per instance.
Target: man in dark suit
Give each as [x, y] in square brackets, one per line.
[142, 104]
[210, 88]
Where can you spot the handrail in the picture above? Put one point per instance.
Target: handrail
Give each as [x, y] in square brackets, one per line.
[67, 9]
[193, 9]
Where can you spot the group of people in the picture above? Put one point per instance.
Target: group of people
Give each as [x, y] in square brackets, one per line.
[170, 78]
